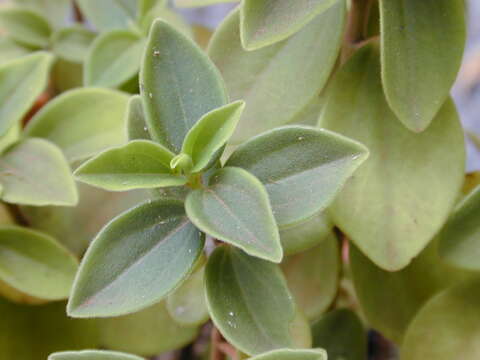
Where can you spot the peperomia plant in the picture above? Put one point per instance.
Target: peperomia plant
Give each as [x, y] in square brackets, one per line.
[272, 197]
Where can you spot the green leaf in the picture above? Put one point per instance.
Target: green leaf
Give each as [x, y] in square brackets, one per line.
[56, 11]
[422, 48]
[82, 122]
[196, 3]
[235, 208]
[401, 196]
[92, 355]
[135, 120]
[459, 239]
[66, 75]
[140, 164]
[72, 43]
[303, 168]
[33, 332]
[306, 234]
[447, 327]
[342, 335]
[261, 77]
[211, 133]
[313, 277]
[147, 332]
[117, 278]
[404, 291]
[25, 26]
[266, 22]
[35, 263]
[248, 301]
[106, 15]
[160, 11]
[289, 354]
[46, 180]
[21, 82]
[10, 50]
[113, 59]
[180, 85]
[187, 304]
[11, 137]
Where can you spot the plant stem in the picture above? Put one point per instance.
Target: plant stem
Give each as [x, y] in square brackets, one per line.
[356, 25]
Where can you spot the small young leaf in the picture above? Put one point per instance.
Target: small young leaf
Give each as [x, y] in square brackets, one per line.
[290, 354]
[180, 85]
[92, 355]
[422, 48]
[187, 305]
[235, 208]
[135, 120]
[35, 263]
[25, 26]
[21, 82]
[113, 59]
[248, 301]
[303, 168]
[262, 77]
[72, 43]
[265, 22]
[211, 133]
[447, 327]
[46, 180]
[313, 277]
[342, 335]
[108, 15]
[82, 122]
[410, 182]
[136, 260]
[140, 164]
[10, 50]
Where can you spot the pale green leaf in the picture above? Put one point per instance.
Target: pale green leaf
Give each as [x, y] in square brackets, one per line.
[56, 11]
[313, 277]
[46, 180]
[169, 16]
[342, 335]
[302, 168]
[11, 137]
[265, 22]
[135, 120]
[180, 85]
[82, 122]
[72, 43]
[447, 327]
[140, 164]
[268, 79]
[113, 59]
[106, 15]
[35, 263]
[290, 354]
[10, 50]
[92, 355]
[422, 49]
[25, 26]
[211, 133]
[235, 208]
[248, 301]
[117, 278]
[21, 82]
[401, 196]
[404, 291]
[197, 3]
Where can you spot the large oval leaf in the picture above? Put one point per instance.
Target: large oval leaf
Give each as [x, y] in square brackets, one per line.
[109, 14]
[447, 327]
[235, 208]
[313, 277]
[113, 59]
[400, 197]
[136, 260]
[289, 354]
[422, 49]
[265, 22]
[248, 301]
[303, 168]
[47, 179]
[262, 77]
[404, 291]
[21, 82]
[92, 355]
[35, 263]
[82, 122]
[180, 85]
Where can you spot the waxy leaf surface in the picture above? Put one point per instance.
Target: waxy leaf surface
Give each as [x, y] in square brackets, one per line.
[10, 49]
[92, 355]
